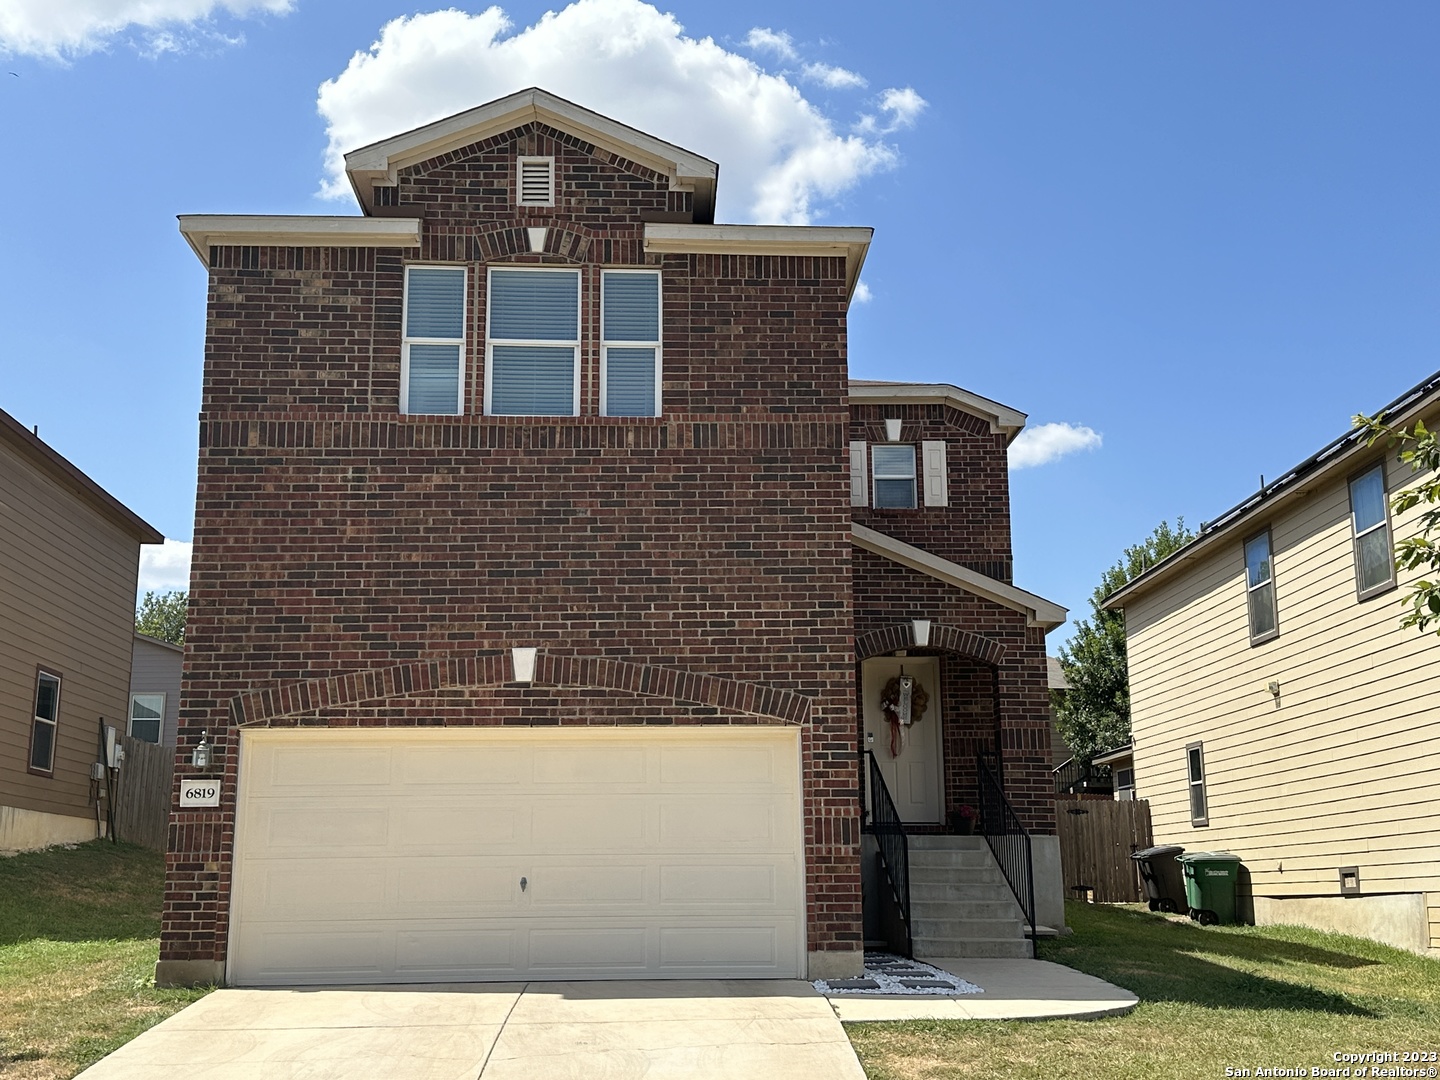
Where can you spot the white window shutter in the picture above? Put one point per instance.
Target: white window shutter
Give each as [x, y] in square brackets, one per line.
[937, 491]
[859, 482]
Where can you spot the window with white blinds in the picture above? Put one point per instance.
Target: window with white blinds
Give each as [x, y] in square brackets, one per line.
[431, 360]
[894, 471]
[535, 181]
[532, 354]
[630, 343]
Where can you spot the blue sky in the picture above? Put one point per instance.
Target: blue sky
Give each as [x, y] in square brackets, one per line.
[1207, 233]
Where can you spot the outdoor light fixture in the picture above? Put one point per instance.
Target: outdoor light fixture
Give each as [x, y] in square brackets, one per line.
[200, 756]
[922, 631]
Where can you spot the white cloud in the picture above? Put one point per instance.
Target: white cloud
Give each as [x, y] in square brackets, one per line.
[901, 108]
[863, 295]
[1045, 443]
[767, 40]
[781, 157]
[836, 78]
[165, 566]
[57, 29]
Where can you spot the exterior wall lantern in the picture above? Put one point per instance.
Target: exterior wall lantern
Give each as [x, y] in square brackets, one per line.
[200, 756]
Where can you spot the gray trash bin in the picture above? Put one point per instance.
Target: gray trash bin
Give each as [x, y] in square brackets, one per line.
[1163, 878]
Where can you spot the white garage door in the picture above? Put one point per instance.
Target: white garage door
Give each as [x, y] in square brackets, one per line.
[560, 853]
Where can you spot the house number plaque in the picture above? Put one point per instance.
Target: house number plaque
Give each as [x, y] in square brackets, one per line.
[200, 792]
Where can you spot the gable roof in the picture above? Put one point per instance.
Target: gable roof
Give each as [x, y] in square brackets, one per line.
[146, 639]
[29, 445]
[1002, 418]
[380, 162]
[1038, 611]
[1336, 458]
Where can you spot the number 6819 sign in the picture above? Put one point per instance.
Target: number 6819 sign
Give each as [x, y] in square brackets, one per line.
[199, 792]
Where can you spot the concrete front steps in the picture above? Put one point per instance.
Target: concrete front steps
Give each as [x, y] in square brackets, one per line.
[960, 905]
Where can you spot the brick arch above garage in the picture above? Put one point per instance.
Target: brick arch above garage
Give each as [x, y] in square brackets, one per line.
[901, 635]
[492, 671]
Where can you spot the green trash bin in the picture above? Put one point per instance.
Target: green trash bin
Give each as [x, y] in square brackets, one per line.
[1210, 878]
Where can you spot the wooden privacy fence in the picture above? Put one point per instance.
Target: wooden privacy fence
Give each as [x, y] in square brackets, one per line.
[142, 805]
[1096, 839]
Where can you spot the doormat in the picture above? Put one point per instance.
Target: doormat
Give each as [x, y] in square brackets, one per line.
[890, 975]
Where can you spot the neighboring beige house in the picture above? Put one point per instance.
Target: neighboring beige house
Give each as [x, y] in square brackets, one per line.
[154, 690]
[69, 557]
[1279, 710]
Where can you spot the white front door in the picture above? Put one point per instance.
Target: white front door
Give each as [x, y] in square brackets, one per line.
[914, 774]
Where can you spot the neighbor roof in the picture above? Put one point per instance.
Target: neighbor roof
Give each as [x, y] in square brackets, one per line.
[1336, 457]
[29, 445]
[380, 162]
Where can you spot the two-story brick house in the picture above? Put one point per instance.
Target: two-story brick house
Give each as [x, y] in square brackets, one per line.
[540, 543]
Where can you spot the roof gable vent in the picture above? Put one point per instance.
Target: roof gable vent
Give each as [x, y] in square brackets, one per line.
[535, 181]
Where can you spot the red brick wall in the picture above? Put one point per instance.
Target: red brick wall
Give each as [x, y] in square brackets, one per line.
[333, 536]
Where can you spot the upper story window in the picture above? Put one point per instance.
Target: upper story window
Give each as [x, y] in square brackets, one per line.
[1260, 589]
[432, 373]
[147, 715]
[1370, 522]
[630, 345]
[535, 181]
[532, 348]
[47, 719]
[894, 466]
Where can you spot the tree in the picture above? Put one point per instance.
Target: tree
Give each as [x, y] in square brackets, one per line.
[162, 615]
[1420, 449]
[1094, 714]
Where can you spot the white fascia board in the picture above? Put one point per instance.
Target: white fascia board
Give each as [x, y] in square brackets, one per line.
[381, 161]
[1038, 611]
[851, 242]
[1002, 418]
[203, 231]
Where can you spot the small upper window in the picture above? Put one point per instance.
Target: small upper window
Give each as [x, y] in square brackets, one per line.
[1370, 520]
[1195, 766]
[630, 349]
[535, 181]
[1260, 589]
[431, 368]
[47, 717]
[147, 715]
[533, 350]
[894, 475]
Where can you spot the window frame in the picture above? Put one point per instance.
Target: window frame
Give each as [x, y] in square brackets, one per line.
[406, 341]
[490, 342]
[43, 671]
[1274, 631]
[658, 344]
[520, 163]
[876, 476]
[1391, 582]
[130, 716]
[1191, 784]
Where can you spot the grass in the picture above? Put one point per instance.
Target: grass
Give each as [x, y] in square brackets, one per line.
[1210, 997]
[79, 936]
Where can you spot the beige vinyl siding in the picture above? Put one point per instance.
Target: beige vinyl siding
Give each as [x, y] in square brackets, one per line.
[67, 594]
[156, 670]
[1345, 770]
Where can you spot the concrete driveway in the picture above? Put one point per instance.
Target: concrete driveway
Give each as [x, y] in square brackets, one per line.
[698, 1030]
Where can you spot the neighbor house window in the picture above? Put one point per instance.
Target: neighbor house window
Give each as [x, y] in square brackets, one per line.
[47, 717]
[1370, 518]
[1260, 588]
[431, 359]
[1125, 784]
[147, 714]
[1195, 767]
[532, 351]
[630, 345]
[894, 472]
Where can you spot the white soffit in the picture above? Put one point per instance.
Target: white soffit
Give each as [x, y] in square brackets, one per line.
[1002, 418]
[204, 231]
[1038, 611]
[381, 162]
[853, 243]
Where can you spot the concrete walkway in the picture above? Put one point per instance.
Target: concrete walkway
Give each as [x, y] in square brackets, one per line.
[714, 1030]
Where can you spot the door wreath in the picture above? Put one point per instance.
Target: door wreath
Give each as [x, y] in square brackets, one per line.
[903, 702]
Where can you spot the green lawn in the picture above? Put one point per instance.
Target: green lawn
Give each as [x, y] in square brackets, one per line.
[79, 935]
[1210, 997]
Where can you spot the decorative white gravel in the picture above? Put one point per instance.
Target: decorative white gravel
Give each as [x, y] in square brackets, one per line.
[888, 985]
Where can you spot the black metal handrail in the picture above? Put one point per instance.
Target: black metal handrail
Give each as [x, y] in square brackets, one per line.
[1075, 777]
[1008, 839]
[894, 847]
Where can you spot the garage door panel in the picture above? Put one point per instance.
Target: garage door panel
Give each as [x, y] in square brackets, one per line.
[304, 768]
[411, 880]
